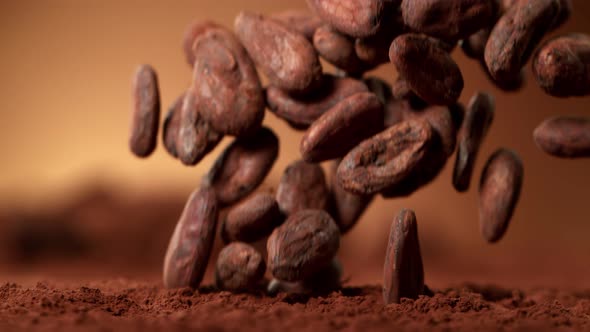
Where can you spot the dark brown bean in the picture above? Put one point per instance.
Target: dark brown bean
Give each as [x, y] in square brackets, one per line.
[303, 245]
[479, 117]
[430, 71]
[403, 272]
[146, 112]
[449, 20]
[345, 207]
[354, 18]
[385, 159]
[239, 267]
[565, 11]
[302, 186]
[562, 66]
[192, 32]
[342, 127]
[302, 111]
[285, 56]
[190, 246]
[300, 20]
[252, 219]
[228, 92]
[243, 165]
[323, 282]
[564, 136]
[499, 190]
[195, 137]
[338, 49]
[474, 46]
[516, 35]
[171, 126]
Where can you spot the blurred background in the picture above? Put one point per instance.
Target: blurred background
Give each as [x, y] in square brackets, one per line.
[75, 204]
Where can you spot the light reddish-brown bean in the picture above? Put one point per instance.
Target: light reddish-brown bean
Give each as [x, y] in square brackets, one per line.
[145, 118]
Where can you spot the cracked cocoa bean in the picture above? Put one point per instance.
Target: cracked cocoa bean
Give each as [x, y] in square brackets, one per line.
[386, 158]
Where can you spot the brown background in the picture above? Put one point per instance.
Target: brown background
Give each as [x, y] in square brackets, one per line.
[65, 70]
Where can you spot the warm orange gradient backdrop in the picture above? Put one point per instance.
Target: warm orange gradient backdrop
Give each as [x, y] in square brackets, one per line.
[65, 72]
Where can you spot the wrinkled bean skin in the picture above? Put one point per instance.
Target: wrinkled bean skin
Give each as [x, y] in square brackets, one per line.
[478, 119]
[192, 32]
[301, 20]
[301, 111]
[146, 112]
[499, 191]
[190, 246]
[195, 137]
[564, 136]
[228, 92]
[243, 165]
[285, 56]
[239, 267]
[353, 18]
[562, 66]
[322, 283]
[403, 272]
[338, 49]
[252, 219]
[303, 245]
[171, 125]
[342, 127]
[430, 71]
[515, 36]
[387, 158]
[449, 20]
[302, 186]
